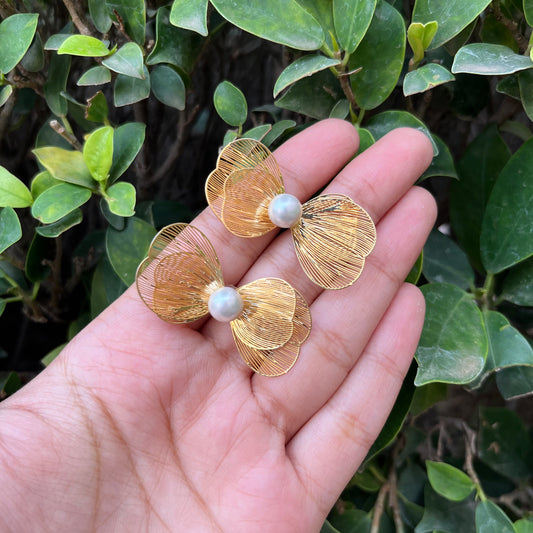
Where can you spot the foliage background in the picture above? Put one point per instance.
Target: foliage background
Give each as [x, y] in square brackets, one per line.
[90, 163]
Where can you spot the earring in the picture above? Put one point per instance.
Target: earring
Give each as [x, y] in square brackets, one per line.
[181, 281]
[332, 235]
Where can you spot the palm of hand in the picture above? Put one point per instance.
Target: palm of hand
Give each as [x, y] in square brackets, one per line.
[144, 426]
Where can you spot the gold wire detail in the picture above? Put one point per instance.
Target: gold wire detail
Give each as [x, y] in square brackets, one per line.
[239, 190]
[332, 240]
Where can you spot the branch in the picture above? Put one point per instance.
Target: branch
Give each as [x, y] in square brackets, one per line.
[82, 26]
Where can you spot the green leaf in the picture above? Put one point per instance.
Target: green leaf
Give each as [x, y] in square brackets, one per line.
[524, 525]
[525, 83]
[453, 346]
[495, 32]
[451, 15]
[425, 78]
[97, 109]
[13, 193]
[528, 12]
[133, 15]
[65, 165]
[490, 518]
[83, 45]
[328, 528]
[98, 153]
[489, 60]
[33, 59]
[427, 396]
[445, 262]
[340, 110]
[58, 201]
[515, 382]
[56, 84]
[40, 255]
[174, 45]
[478, 170]
[5, 93]
[127, 248]
[11, 383]
[302, 67]
[322, 12]
[281, 21]
[278, 129]
[121, 199]
[127, 60]
[380, 72]
[95, 76]
[442, 164]
[504, 443]
[230, 104]
[190, 15]
[52, 354]
[168, 87]
[127, 141]
[366, 139]
[351, 520]
[55, 41]
[129, 90]
[10, 230]
[258, 132]
[379, 125]
[420, 37]
[116, 221]
[352, 20]
[16, 33]
[55, 229]
[449, 481]
[100, 15]
[508, 225]
[509, 86]
[416, 270]
[518, 284]
[106, 287]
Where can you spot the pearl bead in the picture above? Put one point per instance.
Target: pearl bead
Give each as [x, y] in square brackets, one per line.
[225, 304]
[285, 210]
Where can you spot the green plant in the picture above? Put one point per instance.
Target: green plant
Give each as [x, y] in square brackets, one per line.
[115, 98]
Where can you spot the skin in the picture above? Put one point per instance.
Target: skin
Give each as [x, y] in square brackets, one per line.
[140, 425]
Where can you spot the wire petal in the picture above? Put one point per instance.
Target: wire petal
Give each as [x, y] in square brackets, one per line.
[332, 240]
[267, 318]
[240, 188]
[179, 274]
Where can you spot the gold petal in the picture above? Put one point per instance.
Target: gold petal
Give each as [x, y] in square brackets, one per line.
[179, 274]
[267, 318]
[332, 240]
[245, 163]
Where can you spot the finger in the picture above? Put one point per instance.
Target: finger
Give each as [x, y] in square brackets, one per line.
[343, 321]
[330, 447]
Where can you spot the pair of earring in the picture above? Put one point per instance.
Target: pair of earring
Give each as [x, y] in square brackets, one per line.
[181, 279]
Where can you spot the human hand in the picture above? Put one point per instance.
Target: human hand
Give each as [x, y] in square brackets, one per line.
[140, 425]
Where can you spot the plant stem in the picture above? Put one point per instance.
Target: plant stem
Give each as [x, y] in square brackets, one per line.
[83, 28]
[379, 507]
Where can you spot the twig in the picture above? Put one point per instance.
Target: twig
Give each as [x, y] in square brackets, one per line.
[83, 28]
[69, 137]
[470, 447]
[6, 9]
[393, 491]
[511, 25]
[379, 507]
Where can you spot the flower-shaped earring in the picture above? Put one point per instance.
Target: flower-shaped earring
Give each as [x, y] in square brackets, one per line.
[332, 234]
[181, 281]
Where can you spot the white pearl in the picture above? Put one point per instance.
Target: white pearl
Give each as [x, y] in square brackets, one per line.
[225, 304]
[285, 210]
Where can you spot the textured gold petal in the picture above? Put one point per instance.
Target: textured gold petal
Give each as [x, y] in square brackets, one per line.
[179, 274]
[267, 318]
[332, 240]
[241, 165]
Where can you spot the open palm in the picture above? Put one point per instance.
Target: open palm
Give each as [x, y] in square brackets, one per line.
[140, 425]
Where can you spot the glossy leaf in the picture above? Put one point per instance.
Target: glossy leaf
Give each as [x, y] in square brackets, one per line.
[56, 84]
[504, 443]
[230, 103]
[453, 346]
[58, 201]
[366, 139]
[449, 481]
[451, 15]
[380, 72]
[129, 90]
[352, 19]
[445, 262]
[490, 518]
[281, 21]
[106, 287]
[10, 230]
[100, 15]
[98, 152]
[33, 59]
[5, 93]
[508, 225]
[301, 68]
[515, 382]
[18, 31]
[442, 164]
[478, 170]
[489, 60]
[42, 181]
[52, 354]
[425, 78]
[115, 221]
[95, 76]
[127, 60]
[496, 32]
[83, 45]
[340, 110]
[55, 229]
[65, 165]
[420, 36]
[427, 396]
[190, 15]
[355, 520]
[518, 284]
[55, 41]
[416, 270]
[524, 525]
[127, 141]
[127, 248]
[13, 193]
[525, 83]
[323, 13]
[528, 11]
[40, 254]
[121, 199]
[133, 15]
[258, 132]
[277, 130]
[10, 384]
[168, 87]
[97, 109]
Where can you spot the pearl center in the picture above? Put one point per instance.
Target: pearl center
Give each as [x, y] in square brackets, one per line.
[225, 304]
[285, 210]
